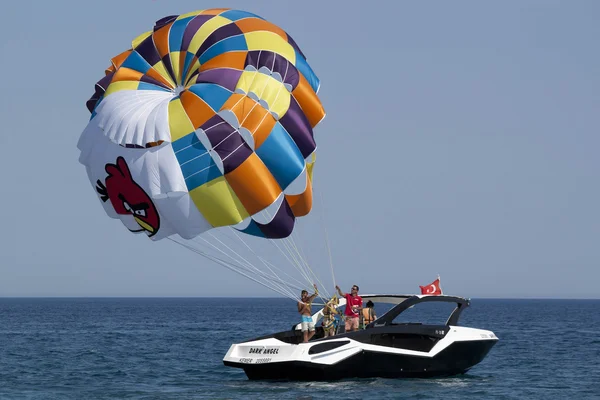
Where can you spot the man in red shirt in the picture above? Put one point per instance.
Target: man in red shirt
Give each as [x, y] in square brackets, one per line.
[353, 306]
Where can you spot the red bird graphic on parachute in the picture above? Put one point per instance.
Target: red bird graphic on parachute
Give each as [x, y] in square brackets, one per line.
[128, 198]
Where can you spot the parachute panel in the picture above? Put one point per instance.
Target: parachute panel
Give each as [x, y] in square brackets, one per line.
[254, 184]
[219, 203]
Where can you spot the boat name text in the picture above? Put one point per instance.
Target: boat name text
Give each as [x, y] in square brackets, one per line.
[260, 350]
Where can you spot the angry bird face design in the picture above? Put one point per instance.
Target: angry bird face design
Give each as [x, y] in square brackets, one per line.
[128, 199]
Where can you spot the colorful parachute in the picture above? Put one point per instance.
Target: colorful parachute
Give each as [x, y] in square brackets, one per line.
[207, 121]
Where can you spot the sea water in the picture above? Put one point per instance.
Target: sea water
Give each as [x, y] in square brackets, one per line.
[172, 348]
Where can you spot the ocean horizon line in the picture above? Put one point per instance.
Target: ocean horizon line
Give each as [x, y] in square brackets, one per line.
[256, 297]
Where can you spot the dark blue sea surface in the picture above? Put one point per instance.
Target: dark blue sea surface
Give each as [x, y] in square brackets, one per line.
[172, 348]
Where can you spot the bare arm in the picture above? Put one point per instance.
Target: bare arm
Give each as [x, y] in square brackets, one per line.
[311, 298]
[342, 294]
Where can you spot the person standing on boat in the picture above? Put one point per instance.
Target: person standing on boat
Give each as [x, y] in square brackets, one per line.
[329, 320]
[304, 308]
[353, 307]
[367, 315]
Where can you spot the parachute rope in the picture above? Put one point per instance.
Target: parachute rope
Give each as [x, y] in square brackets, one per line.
[300, 262]
[249, 266]
[233, 268]
[327, 238]
[273, 282]
[265, 262]
[270, 275]
[311, 276]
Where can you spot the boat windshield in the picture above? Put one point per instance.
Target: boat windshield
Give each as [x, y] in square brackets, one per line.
[431, 313]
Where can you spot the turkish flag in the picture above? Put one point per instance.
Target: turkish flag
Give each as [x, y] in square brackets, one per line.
[432, 289]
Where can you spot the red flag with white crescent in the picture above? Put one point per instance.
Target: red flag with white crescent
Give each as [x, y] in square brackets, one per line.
[433, 288]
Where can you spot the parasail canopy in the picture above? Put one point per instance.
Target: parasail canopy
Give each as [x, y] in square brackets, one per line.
[207, 121]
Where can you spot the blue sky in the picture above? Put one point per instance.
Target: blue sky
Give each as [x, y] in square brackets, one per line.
[461, 139]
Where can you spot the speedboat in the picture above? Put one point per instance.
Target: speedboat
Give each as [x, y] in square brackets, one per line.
[388, 347]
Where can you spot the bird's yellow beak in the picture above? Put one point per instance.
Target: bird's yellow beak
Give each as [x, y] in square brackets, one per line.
[144, 225]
